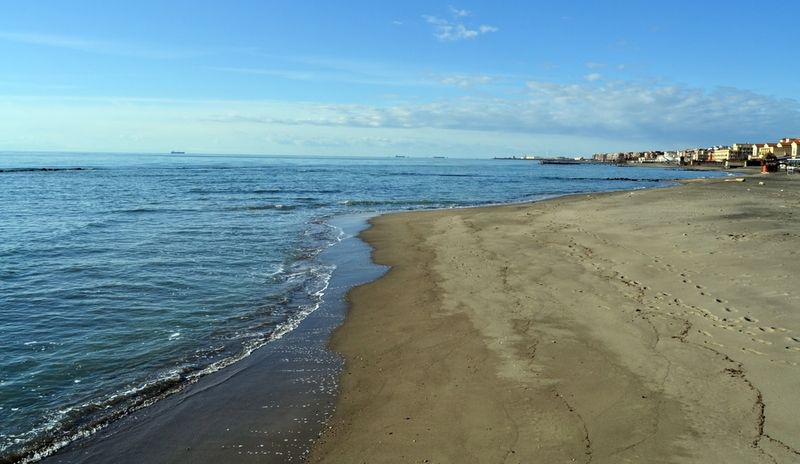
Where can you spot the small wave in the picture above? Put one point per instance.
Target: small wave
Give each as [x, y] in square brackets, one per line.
[291, 191]
[277, 206]
[13, 170]
[595, 179]
[340, 233]
[267, 191]
[70, 424]
[431, 174]
[395, 203]
[329, 191]
[147, 210]
[139, 210]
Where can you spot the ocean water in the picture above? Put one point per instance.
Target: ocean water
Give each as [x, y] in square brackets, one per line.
[125, 280]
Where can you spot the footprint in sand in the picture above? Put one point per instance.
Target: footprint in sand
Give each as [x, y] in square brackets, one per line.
[750, 350]
[707, 314]
[794, 339]
[750, 319]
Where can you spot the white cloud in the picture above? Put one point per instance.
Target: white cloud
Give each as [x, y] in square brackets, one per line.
[593, 65]
[667, 111]
[458, 13]
[618, 110]
[591, 77]
[451, 31]
[465, 80]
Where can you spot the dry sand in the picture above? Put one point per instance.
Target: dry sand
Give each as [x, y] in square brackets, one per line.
[647, 326]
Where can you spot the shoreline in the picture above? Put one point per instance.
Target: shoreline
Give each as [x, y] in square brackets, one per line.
[594, 327]
[269, 406]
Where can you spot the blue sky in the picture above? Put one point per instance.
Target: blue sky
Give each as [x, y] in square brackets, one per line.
[381, 78]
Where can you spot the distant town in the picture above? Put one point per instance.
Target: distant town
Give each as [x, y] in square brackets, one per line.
[729, 156]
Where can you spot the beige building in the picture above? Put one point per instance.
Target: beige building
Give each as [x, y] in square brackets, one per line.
[782, 149]
[743, 151]
[766, 149]
[695, 155]
[791, 146]
[721, 154]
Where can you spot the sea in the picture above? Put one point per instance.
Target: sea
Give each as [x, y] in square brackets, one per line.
[126, 277]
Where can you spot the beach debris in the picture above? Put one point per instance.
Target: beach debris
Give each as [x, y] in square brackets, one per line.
[736, 179]
[761, 183]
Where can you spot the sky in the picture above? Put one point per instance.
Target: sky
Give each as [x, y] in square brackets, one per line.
[380, 78]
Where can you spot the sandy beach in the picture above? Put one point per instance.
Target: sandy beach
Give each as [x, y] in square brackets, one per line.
[648, 326]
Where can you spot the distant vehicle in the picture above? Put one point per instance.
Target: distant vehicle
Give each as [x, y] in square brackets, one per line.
[790, 165]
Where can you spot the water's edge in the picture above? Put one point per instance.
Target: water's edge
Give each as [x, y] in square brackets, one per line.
[272, 404]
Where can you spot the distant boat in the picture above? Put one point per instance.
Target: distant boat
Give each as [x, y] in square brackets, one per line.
[177, 153]
[439, 157]
[399, 156]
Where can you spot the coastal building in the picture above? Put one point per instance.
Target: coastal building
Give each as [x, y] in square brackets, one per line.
[754, 152]
[744, 151]
[766, 149]
[720, 154]
[783, 149]
[694, 155]
[791, 146]
[737, 154]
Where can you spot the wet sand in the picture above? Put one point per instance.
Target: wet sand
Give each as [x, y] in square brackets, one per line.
[646, 326]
